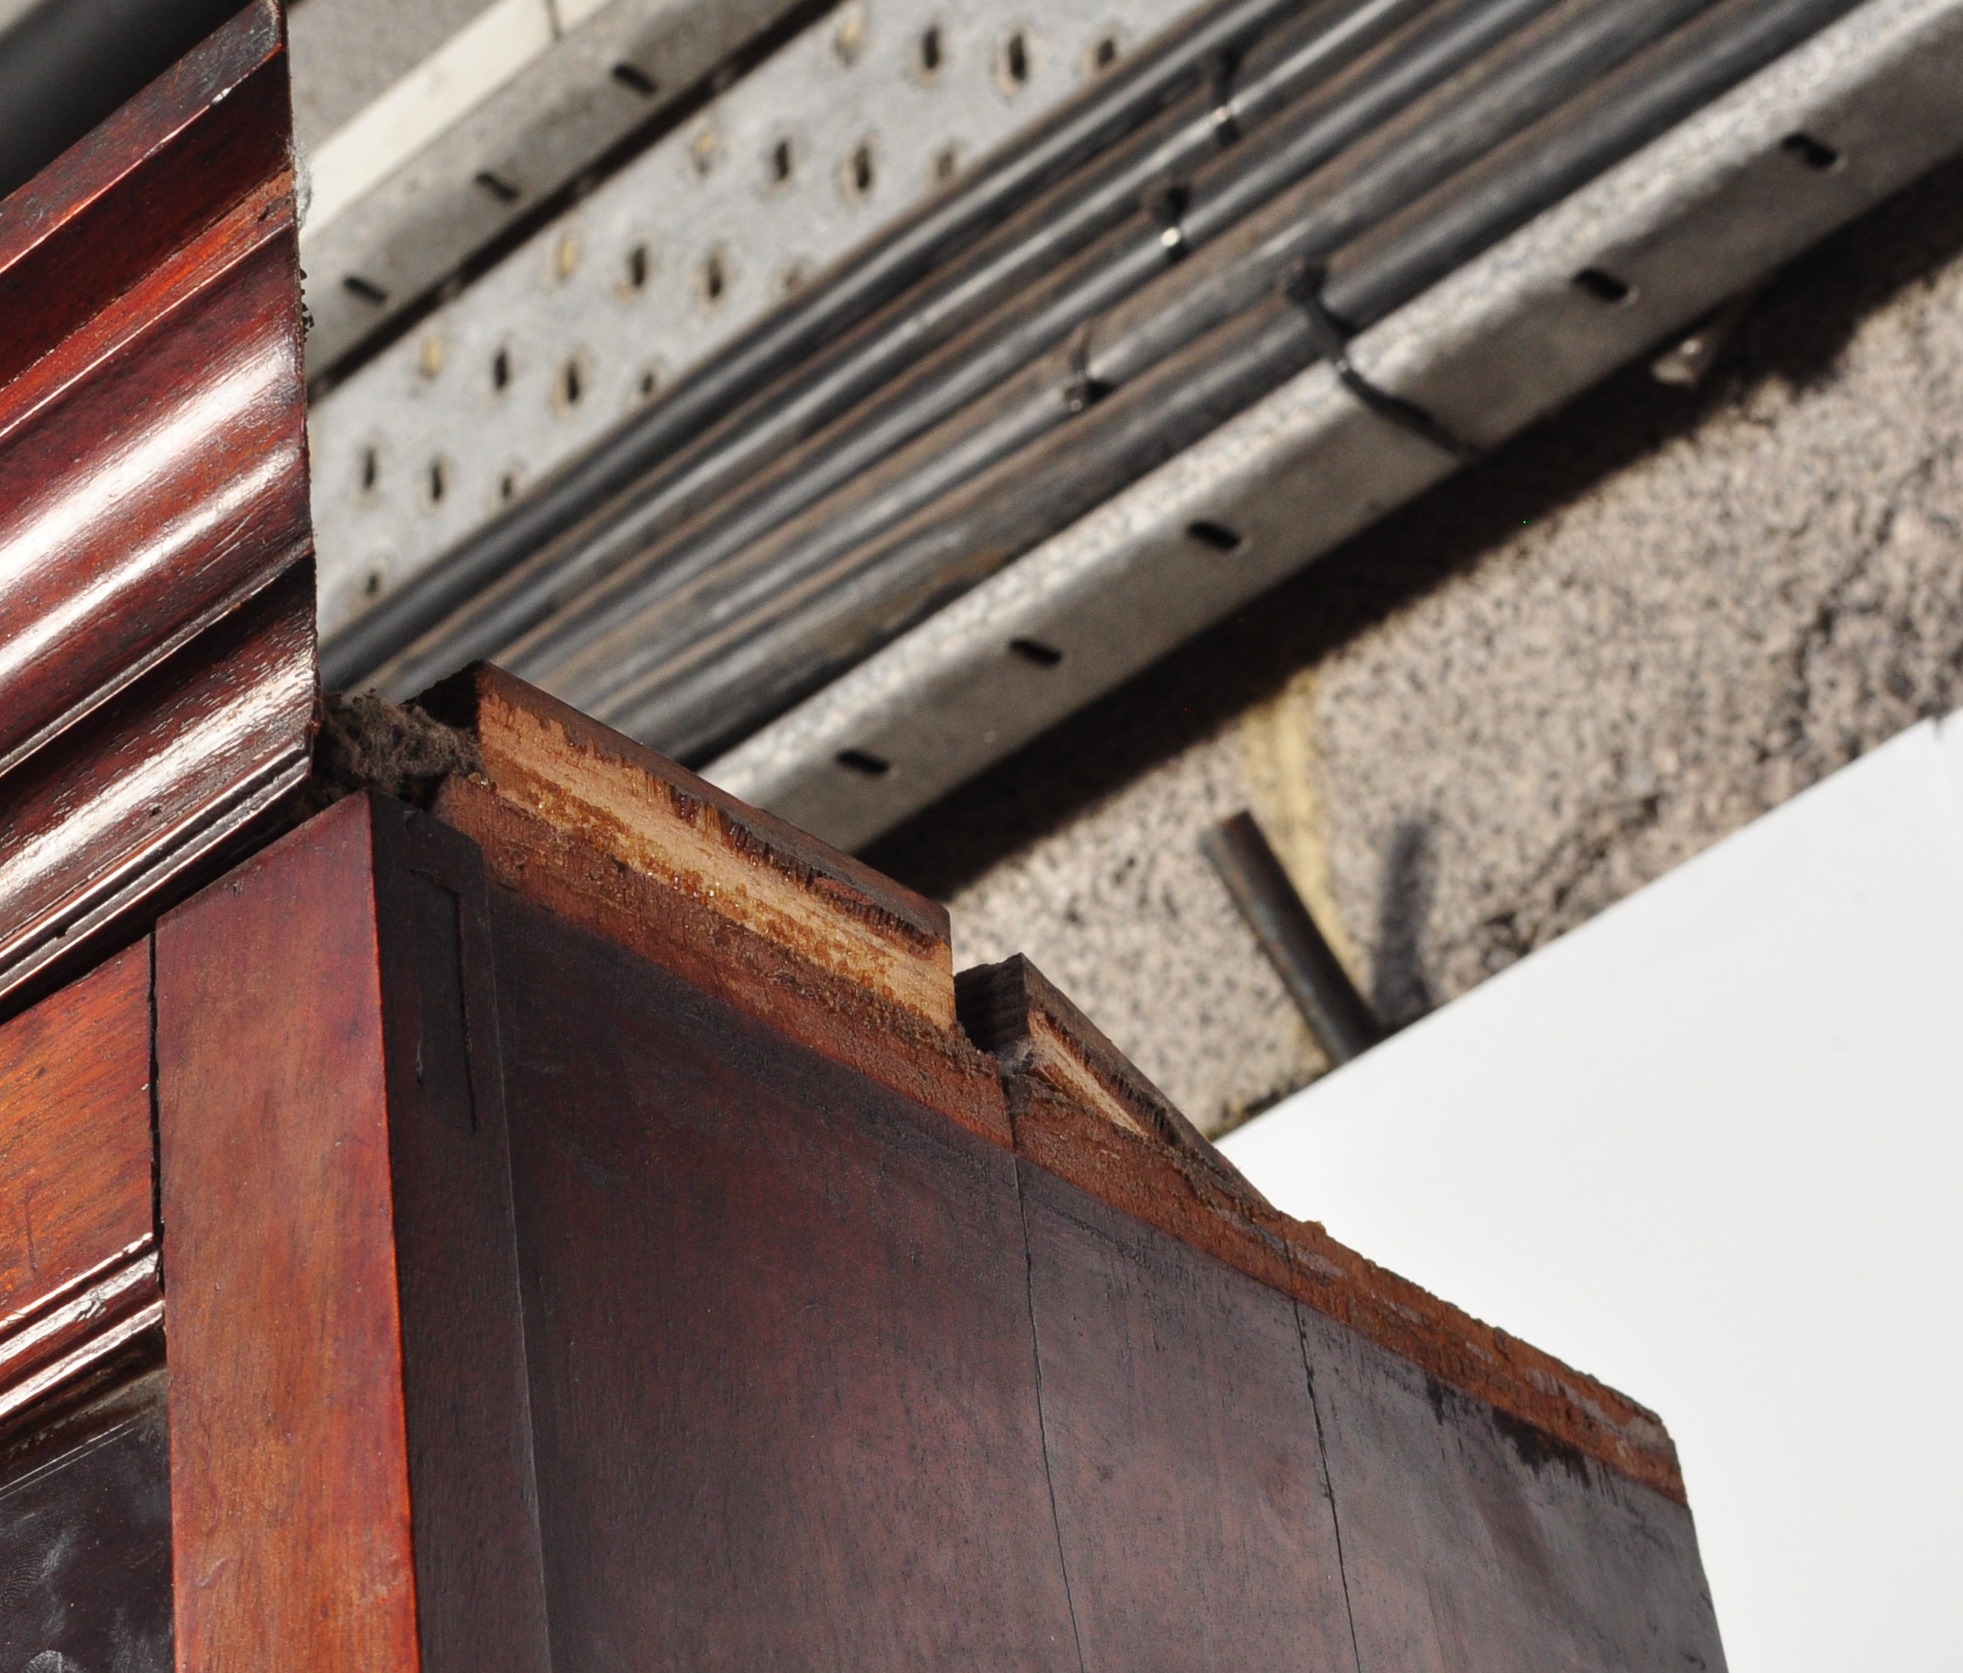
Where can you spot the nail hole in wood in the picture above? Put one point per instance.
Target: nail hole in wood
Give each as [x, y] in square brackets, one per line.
[495, 185]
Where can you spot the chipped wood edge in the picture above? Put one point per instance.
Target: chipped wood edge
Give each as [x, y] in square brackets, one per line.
[565, 873]
[664, 823]
[75, 1328]
[1076, 1115]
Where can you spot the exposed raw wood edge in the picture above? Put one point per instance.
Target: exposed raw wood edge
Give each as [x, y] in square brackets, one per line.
[662, 823]
[78, 1327]
[586, 884]
[1015, 1012]
[1076, 1111]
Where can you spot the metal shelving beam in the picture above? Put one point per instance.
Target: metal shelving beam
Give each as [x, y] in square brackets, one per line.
[1641, 252]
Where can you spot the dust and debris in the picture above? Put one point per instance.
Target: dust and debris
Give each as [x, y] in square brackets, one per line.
[365, 743]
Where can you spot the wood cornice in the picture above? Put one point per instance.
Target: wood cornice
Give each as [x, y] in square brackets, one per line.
[156, 612]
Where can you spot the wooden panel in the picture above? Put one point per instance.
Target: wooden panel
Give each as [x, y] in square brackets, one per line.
[783, 1379]
[1191, 1501]
[152, 494]
[289, 1461]
[78, 1272]
[610, 836]
[479, 1582]
[85, 1540]
[1473, 1540]
[350, 1447]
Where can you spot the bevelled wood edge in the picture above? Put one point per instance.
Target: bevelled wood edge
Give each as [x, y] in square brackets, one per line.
[1077, 1115]
[663, 823]
[78, 1265]
[78, 1327]
[586, 884]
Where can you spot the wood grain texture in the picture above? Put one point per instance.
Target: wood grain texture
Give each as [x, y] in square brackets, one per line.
[1473, 1540]
[351, 1466]
[85, 1539]
[143, 795]
[662, 821]
[783, 1377]
[1191, 1502]
[153, 498]
[290, 1498]
[78, 1270]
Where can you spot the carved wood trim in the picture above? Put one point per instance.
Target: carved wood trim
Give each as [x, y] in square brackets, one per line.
[156, 614]
[78, 1256]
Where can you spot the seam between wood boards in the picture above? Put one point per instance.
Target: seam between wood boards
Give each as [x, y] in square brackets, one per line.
[1042, 1416]
[1328, 1478]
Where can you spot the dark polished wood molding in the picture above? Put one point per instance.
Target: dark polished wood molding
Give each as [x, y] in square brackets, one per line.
[156, 611]
[78, 1249]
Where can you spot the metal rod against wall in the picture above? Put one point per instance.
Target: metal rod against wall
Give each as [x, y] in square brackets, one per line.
[1338, 1016]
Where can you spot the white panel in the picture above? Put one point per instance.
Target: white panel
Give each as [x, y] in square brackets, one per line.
[1708, 1147]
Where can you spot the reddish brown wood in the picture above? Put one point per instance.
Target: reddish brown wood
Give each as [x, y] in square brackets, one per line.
[636, 849]
[289, 1449]
[349, 1457]
[157, 783]
[1474, 1540]
[152, 498]
[78, 1268]
[1160, 1178]
[782, 1364]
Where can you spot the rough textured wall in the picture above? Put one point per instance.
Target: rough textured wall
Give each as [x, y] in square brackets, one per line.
[1563, 673]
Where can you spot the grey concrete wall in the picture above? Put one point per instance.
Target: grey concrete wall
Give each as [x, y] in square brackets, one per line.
[1555, 678]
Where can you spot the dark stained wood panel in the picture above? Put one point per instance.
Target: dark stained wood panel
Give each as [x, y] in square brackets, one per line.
[1473, 1540]
[153, 501]
[85, 1539]
[1191, 1503]
[783, 1377]
[78, 1271]
[479, 1583]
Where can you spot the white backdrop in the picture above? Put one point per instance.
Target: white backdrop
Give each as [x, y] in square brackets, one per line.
[1707, 1147]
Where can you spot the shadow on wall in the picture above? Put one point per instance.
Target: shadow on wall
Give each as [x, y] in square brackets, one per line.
[1795, 334]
